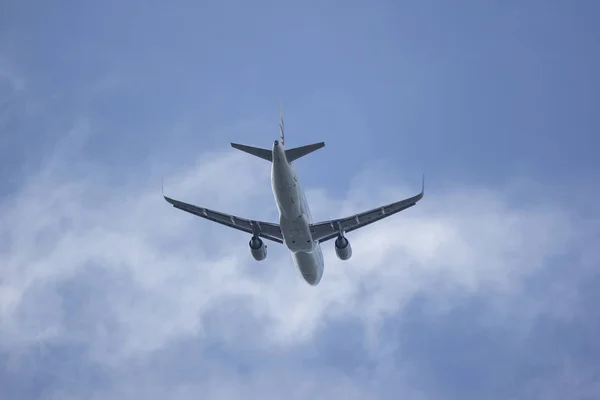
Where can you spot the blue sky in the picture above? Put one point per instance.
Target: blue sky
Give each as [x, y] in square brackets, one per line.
[485, 290]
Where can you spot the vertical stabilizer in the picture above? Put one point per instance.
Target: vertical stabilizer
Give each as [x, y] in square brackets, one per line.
[281, 130]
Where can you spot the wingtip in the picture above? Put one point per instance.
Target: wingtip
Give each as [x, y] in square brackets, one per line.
[423, 184]
[162, 189]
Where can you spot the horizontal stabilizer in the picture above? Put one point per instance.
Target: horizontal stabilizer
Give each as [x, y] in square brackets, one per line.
[265, 154]
[297, 152]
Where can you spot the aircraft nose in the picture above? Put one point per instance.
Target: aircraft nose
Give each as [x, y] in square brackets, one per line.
[276, 142]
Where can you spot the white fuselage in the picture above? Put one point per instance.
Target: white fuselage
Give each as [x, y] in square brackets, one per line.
[295, 218]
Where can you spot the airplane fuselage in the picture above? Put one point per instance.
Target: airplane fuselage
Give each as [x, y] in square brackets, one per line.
[296, 229]
[295, 218]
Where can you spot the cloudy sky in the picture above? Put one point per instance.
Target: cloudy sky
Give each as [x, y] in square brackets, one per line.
[487, 289]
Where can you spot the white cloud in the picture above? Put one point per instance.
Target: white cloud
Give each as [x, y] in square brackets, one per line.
[152, 275]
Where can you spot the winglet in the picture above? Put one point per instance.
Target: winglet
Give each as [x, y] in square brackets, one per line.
[423, 184]
[162, 190]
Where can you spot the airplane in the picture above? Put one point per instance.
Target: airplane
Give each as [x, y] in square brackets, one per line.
[296, 229]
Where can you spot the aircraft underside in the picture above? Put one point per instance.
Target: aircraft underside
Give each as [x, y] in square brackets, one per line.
[296, 229]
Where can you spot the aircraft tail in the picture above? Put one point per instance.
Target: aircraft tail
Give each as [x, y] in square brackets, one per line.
[297, 152]
[290, 154]
[281, 130]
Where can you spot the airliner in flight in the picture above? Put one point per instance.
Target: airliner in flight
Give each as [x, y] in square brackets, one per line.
[296, 229]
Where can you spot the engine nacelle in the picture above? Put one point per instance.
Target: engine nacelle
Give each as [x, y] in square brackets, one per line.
[342, 248]
[258, 249]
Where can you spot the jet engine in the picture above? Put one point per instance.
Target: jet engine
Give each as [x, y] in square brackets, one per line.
[258, 249]
[342, 248]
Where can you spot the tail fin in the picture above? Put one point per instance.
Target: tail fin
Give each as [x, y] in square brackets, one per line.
[290, 154]
[297, 152]
[281, 130]
[265, 154]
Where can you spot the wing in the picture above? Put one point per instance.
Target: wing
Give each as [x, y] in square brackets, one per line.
[265, 230]
[324, 231]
